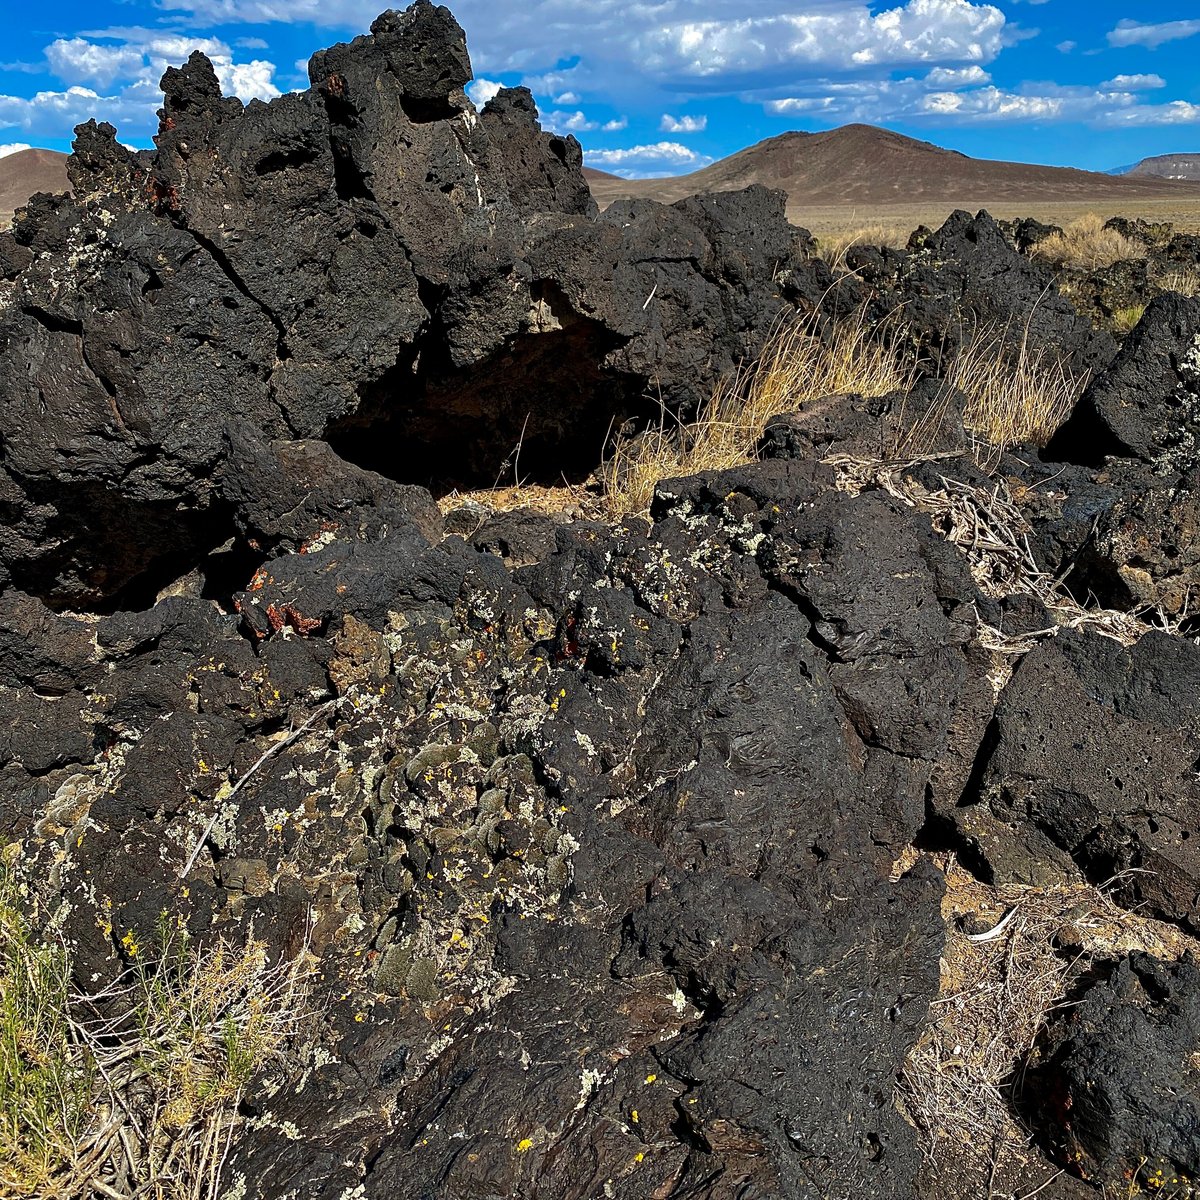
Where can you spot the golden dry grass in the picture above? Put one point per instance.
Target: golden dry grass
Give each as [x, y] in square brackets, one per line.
[1086, 245]
[833, 247]
[802, 363]
[1016, 394]
[1184, 280]
[567, 499]
[1125, 320]
[1010, 953]
[824, 220]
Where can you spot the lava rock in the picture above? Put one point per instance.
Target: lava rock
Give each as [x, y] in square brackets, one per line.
[1119, 1089]
[1147, 404]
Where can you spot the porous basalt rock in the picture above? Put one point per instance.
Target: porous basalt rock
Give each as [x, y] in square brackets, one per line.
[595, 852]
[967, 277]
[1119, 1093]
[368, 262]
[600, 836]
[1146, 406]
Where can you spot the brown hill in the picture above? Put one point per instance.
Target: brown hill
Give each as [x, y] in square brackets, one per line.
[29, 171]
[863, 165]
[1169, 166]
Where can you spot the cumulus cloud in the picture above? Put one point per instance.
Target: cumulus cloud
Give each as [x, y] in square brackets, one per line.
[483, 90]
[14, 148]
[1177, 112]
[950, 77]
[919, 31]
[568, 122]
[660, 158]
[615, 125]
[670, 124]
[1134, 83]
[1115, 103]
[76, 60]
[694, 40]
[1133, 33]
[115, 78]
[79, 60]
[49, 113]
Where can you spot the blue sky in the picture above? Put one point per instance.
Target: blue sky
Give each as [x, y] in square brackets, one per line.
[666, 86]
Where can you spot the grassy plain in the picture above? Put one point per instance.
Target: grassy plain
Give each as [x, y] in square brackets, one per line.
[899, 220]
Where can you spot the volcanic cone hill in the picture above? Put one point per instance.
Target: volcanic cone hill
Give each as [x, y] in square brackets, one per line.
[27, 172]
[867, 166]
[559, 855]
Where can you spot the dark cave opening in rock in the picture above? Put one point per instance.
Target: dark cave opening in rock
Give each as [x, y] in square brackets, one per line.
[135, 554]
[542, 412]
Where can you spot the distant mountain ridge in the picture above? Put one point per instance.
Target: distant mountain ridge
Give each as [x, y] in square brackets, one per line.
[29, 171]
[863, 164]
[1168, 166]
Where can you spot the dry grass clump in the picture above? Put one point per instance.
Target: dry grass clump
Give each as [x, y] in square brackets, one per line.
[834, 247]
[1086, 245]
[569, 500]
[1010, 954]
[1184, 280]
[1125, 320]
[1015, 395]
[132, 1091]
[802, 363]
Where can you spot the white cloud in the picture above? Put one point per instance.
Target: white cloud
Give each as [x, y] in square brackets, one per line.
[77, 60]
[991, 104]
[483, 90]
[949, 77]
[670, 124]
[1177, 112]
[1103, 105]
[616, 125]
[1134, 83]
[1066, 47]
[919, 31]
[14, 148]
[50, 114]
[659, 155]
[567, 98]
[696, 39]
[1134, 33]
[113, 76]
[247, 81]
[565, 122]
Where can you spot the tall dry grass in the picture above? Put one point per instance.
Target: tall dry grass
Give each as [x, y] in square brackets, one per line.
[1086, 245]
[802, 363]
[1184, 280]
[1015, 394]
